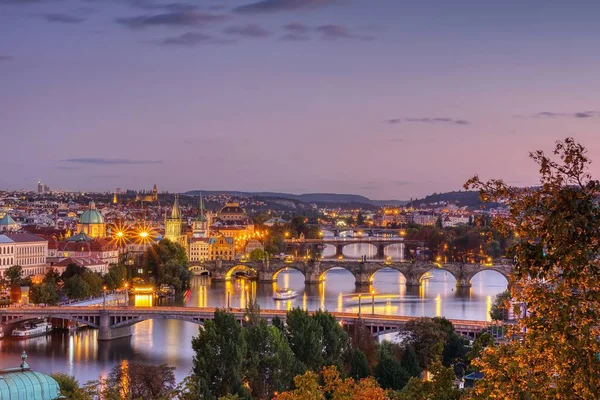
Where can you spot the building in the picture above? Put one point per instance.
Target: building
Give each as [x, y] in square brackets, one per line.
[175, 225]
[23, 383]
[91, 263]
[92, 222]
[82, 245]
[425, 218]
[7, 224]
[233, 213]
[199, 250]
[221, 248]
[24, 249]
[275, 221]
[146, 197]
[451, 220]
[201, 226]
[253, 244]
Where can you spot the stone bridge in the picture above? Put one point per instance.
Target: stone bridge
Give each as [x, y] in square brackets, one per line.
[368, 230]
[339, 243]
[363, 271]
[116, 322]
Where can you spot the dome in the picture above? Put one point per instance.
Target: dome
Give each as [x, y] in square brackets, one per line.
[232, 208]
[91, 216]
[26, 384]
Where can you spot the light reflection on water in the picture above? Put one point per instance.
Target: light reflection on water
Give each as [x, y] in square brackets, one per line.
[168, 341]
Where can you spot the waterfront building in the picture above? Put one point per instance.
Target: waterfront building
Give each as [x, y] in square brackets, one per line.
[221, 248]
[23, 383]
[83, 246]
[199, 250]
[24, 249]
[91, 263]
[92, 222]
[7, 224]
[275, 221]
[175, 226]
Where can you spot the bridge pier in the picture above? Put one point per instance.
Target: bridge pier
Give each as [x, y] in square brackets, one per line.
[105, 332]
[380, 255]
[265, 276]
[339, 251]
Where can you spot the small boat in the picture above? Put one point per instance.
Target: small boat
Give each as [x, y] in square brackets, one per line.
[1, 332]
[166, 291]
[427, 276]
[32, 330]
[285, 294]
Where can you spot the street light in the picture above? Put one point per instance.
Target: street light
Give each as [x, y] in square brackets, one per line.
[228, 300]
[104, 289]
[373, 301]
[126, 294]
[359, 304]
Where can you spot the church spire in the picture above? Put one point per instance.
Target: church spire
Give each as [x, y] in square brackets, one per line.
[176, 211]
[201, 216]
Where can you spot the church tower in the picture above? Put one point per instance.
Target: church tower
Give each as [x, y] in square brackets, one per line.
[155, 194]
[115, 199]
[174, 225]
[201, 222]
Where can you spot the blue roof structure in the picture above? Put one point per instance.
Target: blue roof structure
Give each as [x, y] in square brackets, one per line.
[22, 384]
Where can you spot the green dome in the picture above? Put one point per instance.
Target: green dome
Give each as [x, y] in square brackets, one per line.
[91, 216]
[26, 384]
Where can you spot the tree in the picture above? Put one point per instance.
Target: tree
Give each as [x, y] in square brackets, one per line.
[14, 274]
[167, 263]
[44, 293]
[334, 387]
[360, 219]
[362, 339]
[219, 353]
[557, 277]
[69, 387]
[359, 365]
[454, 346]
[131, 380]
[72, 270]
[94, 282]
[51, 277]
[440, 387]
[116, 276]
[388, 371]
[499, 311]
[269, 360]
[410, 362]
[76, 288]
[483, 341]
[335, 339]
[427, 338]
[257, 255]
[305, 336]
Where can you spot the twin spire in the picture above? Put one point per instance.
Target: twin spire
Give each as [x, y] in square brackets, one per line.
[176, 210]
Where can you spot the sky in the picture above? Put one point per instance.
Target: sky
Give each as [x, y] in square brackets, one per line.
[390, 99]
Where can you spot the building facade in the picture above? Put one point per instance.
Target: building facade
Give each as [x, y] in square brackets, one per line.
[24, 249]
[175, 225]
[199, 250]
[221, 248]
[92, 222]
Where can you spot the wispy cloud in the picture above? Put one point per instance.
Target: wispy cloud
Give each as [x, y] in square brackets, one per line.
[428, 120]
[62, 18]
[4, 58]
[178, 18]
[295, 32]
[547, 114]
[193, 39]
[333, 32]
[269, 6]
[249, 30]
[295, 37]
[109, 161]
[68, 168]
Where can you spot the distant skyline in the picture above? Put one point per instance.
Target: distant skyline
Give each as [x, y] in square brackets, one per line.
[387, 99]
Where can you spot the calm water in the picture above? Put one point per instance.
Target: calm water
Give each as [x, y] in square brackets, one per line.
[168, 341]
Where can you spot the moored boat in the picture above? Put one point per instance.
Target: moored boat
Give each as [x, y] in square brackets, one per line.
[285, 294]
[32, 330]
[166, 291]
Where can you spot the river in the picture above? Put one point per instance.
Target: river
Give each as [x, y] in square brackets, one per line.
[169, 341]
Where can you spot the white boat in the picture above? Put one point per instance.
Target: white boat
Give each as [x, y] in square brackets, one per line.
[285, 294]
[32, 330]
[1, 332]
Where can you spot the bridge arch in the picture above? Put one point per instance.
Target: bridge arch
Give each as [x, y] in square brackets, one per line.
[495, 270]
[135, 320]
[387, 268]
[287, 267]
[94, 323]
[435, 267]
[241, 269]
[199, 270]
[329, 268]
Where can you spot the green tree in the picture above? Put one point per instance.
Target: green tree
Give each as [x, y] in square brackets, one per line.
[116, 276]
[94, 281]
[335, 339]
[484, 340]
[427, 338]
[44, 293]
[69, 387]
[410, 362]
[257, 255]
[360, 219]
[167, 263]
[305, 336]
[14, 274]
[72, 270]
[51, 277]
[359, 365]
[136, 381]
[218, 361]
[388, 371]
[362, 339]
[76, 288]
[455, 347]
[269, 362]
[499, 311]
[557, 275]
[440, 387]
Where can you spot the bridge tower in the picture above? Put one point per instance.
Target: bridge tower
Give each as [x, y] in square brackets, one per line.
[174, 225]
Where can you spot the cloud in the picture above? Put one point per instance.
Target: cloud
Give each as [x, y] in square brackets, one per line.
[152, 5]
[435, 120]
[109, 161]
[193, 39]
[6, 58]
[62, 18]
[176, 18]
[249, 30]
[295, 37]
[333, 32]
[20, 2]
[68, 168]
[581, 114]
[268, 6]
[295, 27]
